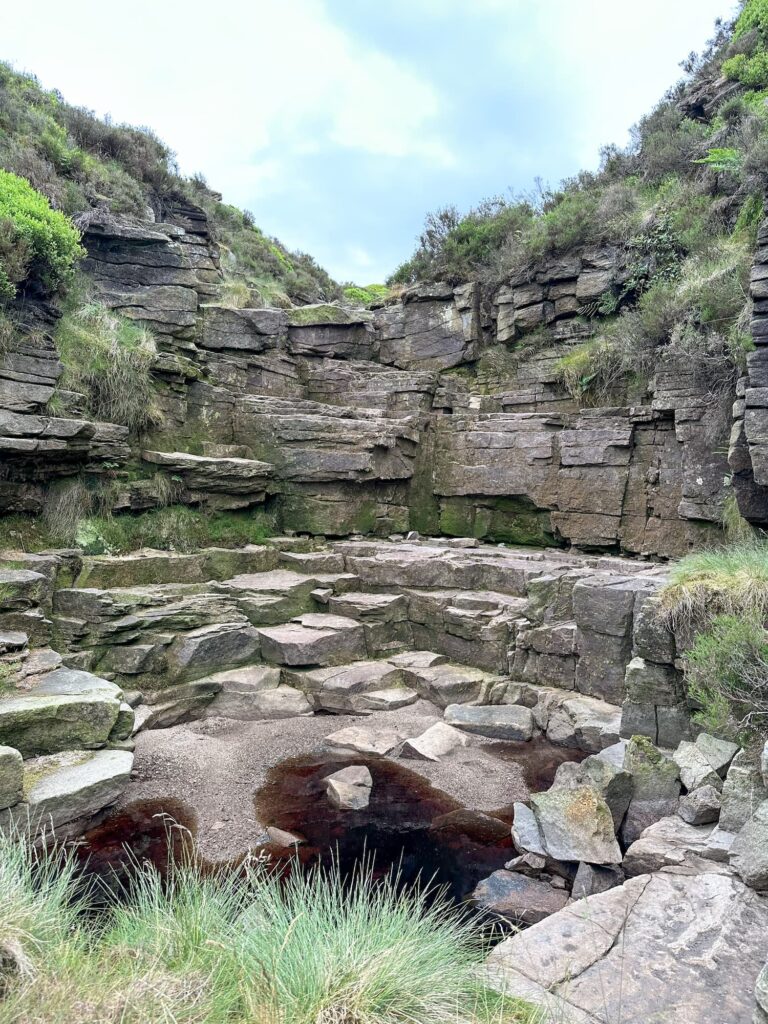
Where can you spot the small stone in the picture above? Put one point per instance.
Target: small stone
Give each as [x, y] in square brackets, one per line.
[701, 807]
[279, 837]
[437, 742]
[350, 788]
[527, 864]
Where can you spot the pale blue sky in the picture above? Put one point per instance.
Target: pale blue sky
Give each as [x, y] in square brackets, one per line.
[340, 123]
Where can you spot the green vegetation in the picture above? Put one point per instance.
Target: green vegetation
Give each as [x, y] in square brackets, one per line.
[318, 314]
[108, 359]
[367, 295]
[77, 515]
[38, 246]
[731, 580]
[750, 64]
[233, 946]
[78, 162]
[727, 677]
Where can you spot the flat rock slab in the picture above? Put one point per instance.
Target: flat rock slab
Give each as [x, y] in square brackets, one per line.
[60, 788]
[498, 721]
[357, 739]
[314, 640]
[438, 741]
[666, 948]
[66, 710]
[670, 842]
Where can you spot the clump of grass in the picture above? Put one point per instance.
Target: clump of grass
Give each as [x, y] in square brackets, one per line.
[109, 359]
[731, 580]
[237, 946]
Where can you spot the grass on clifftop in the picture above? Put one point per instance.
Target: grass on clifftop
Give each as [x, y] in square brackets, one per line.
[233, 947]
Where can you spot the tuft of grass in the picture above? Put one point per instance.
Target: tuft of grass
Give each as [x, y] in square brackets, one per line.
[237, 946]
[732, 580]
[109, 358]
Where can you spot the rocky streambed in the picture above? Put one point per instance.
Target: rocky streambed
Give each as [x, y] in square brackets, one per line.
[510, 724]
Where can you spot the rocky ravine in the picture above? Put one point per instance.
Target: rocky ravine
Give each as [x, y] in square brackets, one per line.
[341, 424]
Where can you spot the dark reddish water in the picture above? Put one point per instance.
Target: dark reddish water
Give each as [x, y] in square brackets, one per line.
[409, 828]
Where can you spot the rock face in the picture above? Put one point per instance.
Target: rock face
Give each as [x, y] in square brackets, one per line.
[675, 949]
[576, 824]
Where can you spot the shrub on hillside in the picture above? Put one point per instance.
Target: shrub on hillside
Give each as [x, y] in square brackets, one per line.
[726, 672]
[38, 246]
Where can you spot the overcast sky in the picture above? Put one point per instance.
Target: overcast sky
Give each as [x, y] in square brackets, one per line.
[340, 123]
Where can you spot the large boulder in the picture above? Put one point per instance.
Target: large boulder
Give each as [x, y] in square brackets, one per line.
[497, 721]
[667, 948]
[435, 743]
[701, 807]
[613, 784]
[576, 824]
[656, 787]
[695, 768]
[670, 842]
[743, 792]
[749, 852]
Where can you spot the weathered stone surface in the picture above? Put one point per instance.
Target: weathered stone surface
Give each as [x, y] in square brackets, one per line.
[517, 898]
[500, 722]
[362, 687]
[656, 787]
[67, 709]
[743, 792]
[719, 753]
[749, 852]
[695, 768]
[350, 788]
[360, 739]
[593, 878]
[11, 777]
[674, 949]
[701, 807]
[670, 842]
[526, 834]
[446, 684]
[613, 784]
[435, 743]
[203, 650]
[314, 640]
[761, 997]
[576, 824]
[283, 839]
[59, 788]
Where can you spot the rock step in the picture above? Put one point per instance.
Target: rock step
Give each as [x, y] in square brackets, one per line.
[359, 688]
[60, 788]
[313, 639]
[65, 709]
[147, 567]
[209, 474]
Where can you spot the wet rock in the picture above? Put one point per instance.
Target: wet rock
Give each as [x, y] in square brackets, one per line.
[675, 949]
[285, 840]
[11, 777]
[437, 742]
[593, 878]
[350, 788]
[517, 898]
[701, 807]
[695, 768]
[670, 842]
[576, 824]
[500, 721]
[743, 792]
[656, 787]
[749, 852]
[360, 739]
